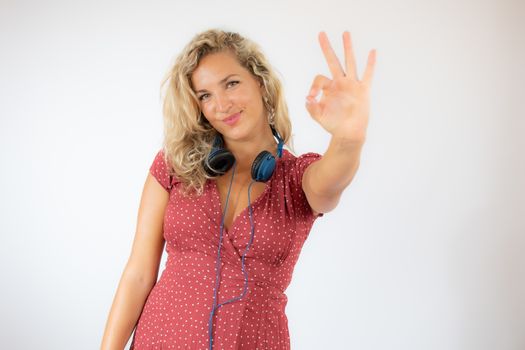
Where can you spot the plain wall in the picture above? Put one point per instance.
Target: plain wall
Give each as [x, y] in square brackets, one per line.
[424, 251]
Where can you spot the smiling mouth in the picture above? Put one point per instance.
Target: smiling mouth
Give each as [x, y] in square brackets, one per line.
[232, 117]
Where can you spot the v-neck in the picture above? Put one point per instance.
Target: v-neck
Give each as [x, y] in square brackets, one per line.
[268, 183]
[252, 204]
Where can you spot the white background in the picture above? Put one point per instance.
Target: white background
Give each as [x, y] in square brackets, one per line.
[424, 251]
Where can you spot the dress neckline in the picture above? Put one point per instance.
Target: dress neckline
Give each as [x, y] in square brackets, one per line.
[242, 212]
[252, 204]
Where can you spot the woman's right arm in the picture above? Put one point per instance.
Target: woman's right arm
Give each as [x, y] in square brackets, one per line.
[141, 271]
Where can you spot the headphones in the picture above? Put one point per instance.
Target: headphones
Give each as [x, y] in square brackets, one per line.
[219, 161]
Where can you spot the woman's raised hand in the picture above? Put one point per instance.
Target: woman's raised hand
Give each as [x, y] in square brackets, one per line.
[344, 105]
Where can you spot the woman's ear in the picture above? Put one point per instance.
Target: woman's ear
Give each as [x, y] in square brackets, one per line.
[262, 89]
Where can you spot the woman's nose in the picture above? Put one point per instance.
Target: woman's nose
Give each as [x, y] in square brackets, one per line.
[223, 102]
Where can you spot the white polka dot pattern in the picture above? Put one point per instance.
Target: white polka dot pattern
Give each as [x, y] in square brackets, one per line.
[177, 310]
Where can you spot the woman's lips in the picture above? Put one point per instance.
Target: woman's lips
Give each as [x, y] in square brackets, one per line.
[233, 119]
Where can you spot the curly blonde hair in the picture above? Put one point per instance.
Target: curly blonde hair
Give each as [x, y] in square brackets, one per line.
[188, 136]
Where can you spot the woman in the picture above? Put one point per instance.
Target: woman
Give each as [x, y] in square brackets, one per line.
[233, 206]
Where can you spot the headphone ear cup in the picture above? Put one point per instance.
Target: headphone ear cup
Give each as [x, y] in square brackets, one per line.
[263, 166]
[220, 161]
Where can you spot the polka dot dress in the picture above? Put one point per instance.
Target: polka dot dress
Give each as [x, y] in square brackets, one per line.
[177, 311]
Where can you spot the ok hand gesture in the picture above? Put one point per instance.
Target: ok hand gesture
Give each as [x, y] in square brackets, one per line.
[344, 106]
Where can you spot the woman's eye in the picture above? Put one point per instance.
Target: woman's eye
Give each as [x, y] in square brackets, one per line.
[231, 82]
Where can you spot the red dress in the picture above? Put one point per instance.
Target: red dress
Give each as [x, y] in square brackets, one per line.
[177, 311]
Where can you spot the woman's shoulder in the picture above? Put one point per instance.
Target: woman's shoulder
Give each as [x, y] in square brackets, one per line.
[300, 160]
[162, 170]
[295, 165]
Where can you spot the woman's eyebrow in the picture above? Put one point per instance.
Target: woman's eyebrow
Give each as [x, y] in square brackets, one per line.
[220, 82]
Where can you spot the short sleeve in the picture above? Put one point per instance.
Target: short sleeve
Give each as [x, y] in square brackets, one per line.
[301, 163]
[160, 171]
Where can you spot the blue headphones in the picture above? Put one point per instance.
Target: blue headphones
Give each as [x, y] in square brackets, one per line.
[219, 161]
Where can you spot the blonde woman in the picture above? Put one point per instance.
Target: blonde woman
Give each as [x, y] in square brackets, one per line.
[233, 206]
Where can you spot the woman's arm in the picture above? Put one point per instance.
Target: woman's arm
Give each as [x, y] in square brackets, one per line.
[125, 311]
[141, 271]
[324, 180]
[342, 110]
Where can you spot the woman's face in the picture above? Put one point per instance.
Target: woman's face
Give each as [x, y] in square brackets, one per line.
[225, 88]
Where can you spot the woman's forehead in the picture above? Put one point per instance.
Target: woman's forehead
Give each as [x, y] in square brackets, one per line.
[214, 69]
